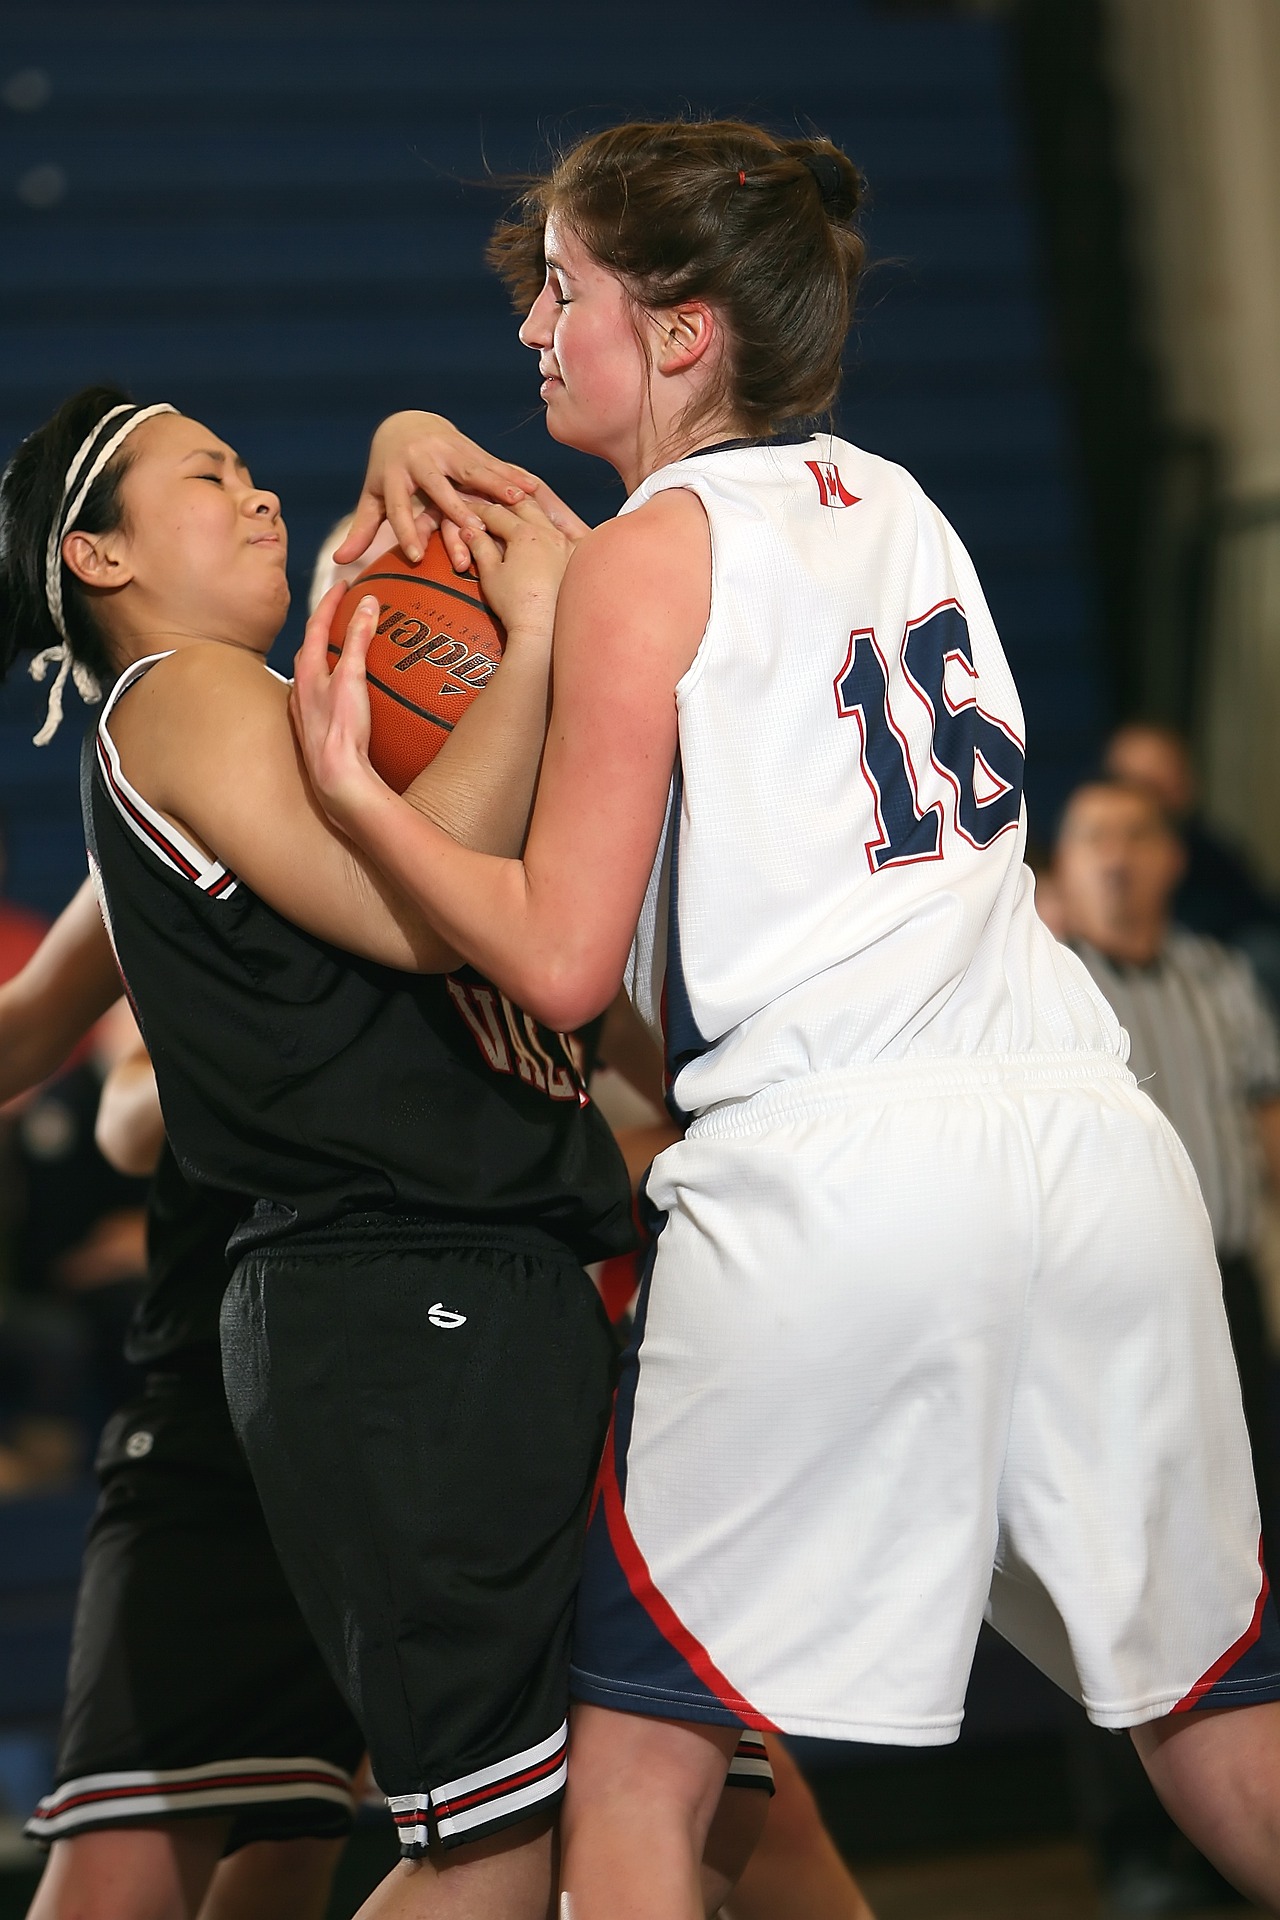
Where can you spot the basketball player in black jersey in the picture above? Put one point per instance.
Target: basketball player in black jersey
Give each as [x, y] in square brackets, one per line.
[185, 1737]
[417, 1366]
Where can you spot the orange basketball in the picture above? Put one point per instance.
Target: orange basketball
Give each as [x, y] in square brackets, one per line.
[435, 647]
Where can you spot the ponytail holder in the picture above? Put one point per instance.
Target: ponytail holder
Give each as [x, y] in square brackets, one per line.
[831, 182]
[742, 178]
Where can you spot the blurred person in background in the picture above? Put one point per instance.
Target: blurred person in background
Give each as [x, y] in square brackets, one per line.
[1204, 1046]
[21, 928]
[1218, 893]
[74, 1256]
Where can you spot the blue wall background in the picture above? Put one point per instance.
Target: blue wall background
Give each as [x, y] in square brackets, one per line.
[274, 216]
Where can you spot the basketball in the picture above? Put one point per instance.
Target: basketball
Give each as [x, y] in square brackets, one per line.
[435, 647]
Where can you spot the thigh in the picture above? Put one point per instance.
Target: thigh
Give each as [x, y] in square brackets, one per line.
[424, 1423]
[797, 1515]
[148, 1873]
[194, 1686]
[1128, 1564]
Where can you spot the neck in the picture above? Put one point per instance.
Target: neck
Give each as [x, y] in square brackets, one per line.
[666, 448]
[139, 643]
[1131, 943]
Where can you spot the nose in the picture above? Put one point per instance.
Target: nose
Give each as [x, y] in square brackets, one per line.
[263, 503]
[537, 327]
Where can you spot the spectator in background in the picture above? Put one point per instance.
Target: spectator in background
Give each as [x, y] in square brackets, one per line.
[1204, 1046]
[1217, 893]
[75, 1256]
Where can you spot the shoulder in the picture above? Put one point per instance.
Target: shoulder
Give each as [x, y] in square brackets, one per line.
[199, 683]
[658, 553]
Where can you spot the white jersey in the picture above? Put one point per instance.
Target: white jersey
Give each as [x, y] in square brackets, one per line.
[840, 878]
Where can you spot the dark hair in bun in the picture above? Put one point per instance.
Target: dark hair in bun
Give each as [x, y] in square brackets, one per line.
[715, 210]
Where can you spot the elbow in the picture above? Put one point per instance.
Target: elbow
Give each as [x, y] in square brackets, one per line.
[565, 993]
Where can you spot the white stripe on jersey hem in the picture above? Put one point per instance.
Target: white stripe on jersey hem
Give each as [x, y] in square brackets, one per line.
[206, 874]
[106, 1796]
[491, 1808]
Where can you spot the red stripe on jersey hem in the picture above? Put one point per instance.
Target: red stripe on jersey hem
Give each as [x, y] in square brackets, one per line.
[659, 1609]
[171, 1790]
[1236, 1651]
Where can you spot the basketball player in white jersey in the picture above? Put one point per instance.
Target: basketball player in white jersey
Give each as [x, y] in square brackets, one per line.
[934, 1325]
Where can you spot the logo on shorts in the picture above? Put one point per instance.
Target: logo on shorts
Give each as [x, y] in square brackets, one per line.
[442, 1316]
[138, 1445]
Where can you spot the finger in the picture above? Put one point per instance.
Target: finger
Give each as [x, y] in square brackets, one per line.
[559, 512]
[485, 551]
[312, 657]
[504, 521]
[365, 521]
[437, 488]
[359, 635]
[455, 546]
[400, 511]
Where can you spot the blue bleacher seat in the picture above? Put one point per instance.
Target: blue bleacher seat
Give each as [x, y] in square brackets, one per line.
[275, 215]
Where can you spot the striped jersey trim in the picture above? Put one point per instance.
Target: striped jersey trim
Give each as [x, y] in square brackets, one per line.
[490, 1797]
[163, 838]
[751, 1765]
[95, 1799]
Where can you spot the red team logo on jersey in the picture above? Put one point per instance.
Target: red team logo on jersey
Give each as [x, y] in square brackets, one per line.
[831, 488]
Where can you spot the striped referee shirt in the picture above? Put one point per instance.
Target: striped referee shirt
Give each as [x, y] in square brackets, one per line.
[1204, 1045]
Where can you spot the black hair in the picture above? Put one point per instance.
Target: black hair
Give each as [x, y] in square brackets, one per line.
[31, 491]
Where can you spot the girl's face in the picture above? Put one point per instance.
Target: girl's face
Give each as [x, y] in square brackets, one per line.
[202, 550]
[596, 377]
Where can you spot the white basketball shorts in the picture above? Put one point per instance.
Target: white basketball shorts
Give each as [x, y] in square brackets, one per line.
[921, 1342]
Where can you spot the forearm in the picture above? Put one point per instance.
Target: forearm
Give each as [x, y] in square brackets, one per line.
[479, 788]
[65, 987]
[527, 940]
[130, 1125]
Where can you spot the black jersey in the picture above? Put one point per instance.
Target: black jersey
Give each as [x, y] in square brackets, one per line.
[317, 1084]
[188, 1228]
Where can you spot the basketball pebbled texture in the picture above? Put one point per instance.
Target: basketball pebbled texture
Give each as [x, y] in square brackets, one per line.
[435, 648]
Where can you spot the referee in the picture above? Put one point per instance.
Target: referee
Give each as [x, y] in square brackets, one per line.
[1203, 1044]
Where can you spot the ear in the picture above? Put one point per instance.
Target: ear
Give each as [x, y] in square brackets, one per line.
[96, 559]
[689, 333]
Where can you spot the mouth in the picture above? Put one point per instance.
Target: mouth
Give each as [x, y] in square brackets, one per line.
[550, 380]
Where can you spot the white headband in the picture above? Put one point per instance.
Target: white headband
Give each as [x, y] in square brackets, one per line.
[80, 478]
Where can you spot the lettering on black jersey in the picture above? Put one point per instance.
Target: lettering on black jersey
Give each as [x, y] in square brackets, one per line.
[511, 1041]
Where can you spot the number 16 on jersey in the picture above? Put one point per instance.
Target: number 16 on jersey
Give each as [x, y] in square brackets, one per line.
[979, 758]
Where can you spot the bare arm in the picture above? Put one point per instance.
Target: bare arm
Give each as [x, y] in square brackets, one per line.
[205, 737]
[553, 928]
[130, 1125]
[68, 984]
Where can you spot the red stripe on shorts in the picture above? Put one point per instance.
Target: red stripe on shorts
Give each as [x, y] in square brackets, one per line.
[1209, 1679]
[660, 1610]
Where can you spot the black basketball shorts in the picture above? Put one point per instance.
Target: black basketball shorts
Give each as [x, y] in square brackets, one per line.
[424, 1407]
[194, 1687]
